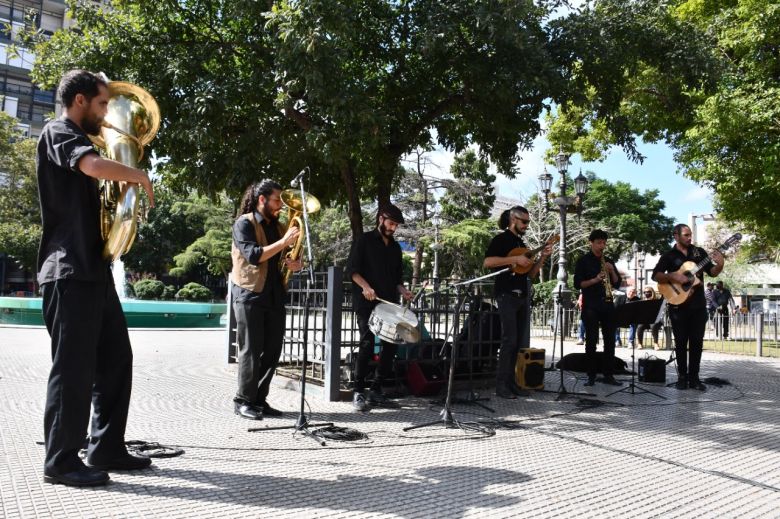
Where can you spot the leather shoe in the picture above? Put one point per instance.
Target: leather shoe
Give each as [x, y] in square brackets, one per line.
[86, 477]
[270, 411]
[591, 381]
[681, 384]
[697, 385]
[612, 381]
[247, 411]
[503, 392]
[125, 462]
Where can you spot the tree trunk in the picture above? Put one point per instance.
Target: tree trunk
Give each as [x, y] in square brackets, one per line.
[418, 254]
[355, 214]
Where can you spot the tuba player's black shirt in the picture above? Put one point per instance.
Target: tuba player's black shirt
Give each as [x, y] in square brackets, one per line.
[71, 246]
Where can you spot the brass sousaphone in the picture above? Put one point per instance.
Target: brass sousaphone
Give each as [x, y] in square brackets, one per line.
[292, 199]
[131, 123]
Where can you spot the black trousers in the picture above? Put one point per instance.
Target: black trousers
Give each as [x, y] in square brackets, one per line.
[688, 326]
[91, 362]
[603, 317]
[724, 323]
[260, 336]
[514, 319]
[366, 351]
[654, 329]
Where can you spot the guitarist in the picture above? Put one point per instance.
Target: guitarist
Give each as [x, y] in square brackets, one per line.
[689, 318]
[510, 293]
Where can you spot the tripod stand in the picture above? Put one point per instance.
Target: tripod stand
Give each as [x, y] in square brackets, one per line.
[637, 312]
[302, 423]
[447, 419]
[562, 391]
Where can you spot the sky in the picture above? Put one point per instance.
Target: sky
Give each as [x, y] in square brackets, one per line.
[658, 171]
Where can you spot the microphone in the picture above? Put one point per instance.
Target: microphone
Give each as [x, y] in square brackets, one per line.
[297, 179]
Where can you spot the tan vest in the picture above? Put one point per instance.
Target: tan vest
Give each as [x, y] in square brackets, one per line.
[244, 274]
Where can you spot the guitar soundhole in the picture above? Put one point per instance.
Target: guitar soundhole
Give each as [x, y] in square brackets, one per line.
[687, 285]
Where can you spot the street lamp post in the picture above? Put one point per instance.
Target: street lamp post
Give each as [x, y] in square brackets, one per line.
[641, 261]
[564, 203]
[635, 254]
[435, 248]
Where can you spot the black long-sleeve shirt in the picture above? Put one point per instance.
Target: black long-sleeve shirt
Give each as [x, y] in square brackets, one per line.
[588, 267]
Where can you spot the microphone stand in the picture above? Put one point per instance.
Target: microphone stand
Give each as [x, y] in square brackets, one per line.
[447, 419]
[302, 423]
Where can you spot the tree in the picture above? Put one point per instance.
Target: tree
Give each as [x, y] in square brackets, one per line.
[212, 248]
[20, 219]
[464, 245]
[470, 195]
[175, 222]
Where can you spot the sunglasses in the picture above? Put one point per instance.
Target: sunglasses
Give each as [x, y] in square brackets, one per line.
[525, 221]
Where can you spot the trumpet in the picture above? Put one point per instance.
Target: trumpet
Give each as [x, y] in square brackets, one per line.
[292, 199]
[606, 281]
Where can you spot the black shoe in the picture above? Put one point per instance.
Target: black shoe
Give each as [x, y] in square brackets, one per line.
[126, 462]
[612, 381]
[376, 397]
[681, 384]
[359, 402]
[591, 381]
[506, 393]
[697, 385]
[247, 411]
[267, 410]
[86, 477]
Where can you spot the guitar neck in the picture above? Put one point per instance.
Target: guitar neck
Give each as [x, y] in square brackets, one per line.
[703, 263]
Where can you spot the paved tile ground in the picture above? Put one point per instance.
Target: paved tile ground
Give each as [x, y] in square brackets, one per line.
[713, 454]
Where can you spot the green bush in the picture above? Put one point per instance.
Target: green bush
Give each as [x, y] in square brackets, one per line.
[169, 292]
[148, 289]
[194, 292]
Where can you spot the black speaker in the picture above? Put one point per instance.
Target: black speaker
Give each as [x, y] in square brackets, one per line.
[652, 370]
[529, 368]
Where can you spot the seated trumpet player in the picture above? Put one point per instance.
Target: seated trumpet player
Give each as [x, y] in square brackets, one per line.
[595, 275]
[258, 294]
[376, 270]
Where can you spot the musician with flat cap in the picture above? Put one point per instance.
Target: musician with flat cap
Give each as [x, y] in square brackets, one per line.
[688, 319]
[375, 268]
[510, 293]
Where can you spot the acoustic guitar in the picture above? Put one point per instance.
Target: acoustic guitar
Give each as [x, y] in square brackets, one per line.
[677, 293]
[530, 253]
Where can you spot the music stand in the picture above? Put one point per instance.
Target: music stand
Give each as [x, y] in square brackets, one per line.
[637, 312]
[447, 419]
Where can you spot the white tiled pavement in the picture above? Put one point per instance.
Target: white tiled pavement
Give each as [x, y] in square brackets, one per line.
[713, 454]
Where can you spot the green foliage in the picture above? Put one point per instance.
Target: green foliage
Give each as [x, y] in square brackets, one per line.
[463, 247]
[20, 220]
[169, 292]
[175, 222]
[470, 195]
[212, 249]
[331, 236]
[194, 292]
[149, 289]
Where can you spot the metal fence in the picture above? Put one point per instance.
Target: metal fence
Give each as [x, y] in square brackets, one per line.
[329, 327]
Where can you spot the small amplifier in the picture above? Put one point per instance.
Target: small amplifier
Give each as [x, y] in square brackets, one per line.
[652, 369]
[529, 368]
[424, 378]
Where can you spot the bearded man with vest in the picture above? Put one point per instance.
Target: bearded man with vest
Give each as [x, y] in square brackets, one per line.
[258, 294]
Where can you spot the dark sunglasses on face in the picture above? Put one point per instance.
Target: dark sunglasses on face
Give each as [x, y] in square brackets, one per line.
[526, 222]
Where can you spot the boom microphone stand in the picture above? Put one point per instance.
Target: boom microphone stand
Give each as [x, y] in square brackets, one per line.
[447, 419]
[302, 423]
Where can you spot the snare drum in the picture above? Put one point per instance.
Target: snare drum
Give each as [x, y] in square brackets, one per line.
[393, 323]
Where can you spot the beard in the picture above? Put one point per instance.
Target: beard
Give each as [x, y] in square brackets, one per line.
[384, 231]
[91, 126]
[269, 216]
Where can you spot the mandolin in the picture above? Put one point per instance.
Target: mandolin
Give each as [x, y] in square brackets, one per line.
[530, 253]
[677, 293]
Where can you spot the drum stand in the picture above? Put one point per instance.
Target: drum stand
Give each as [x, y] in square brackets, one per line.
[447, 419]
[302, 424]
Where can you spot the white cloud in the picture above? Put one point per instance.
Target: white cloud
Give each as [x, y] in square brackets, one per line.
[697, 193]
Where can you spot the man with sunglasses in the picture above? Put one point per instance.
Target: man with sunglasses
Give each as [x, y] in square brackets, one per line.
[376, 269]
[510, 293]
